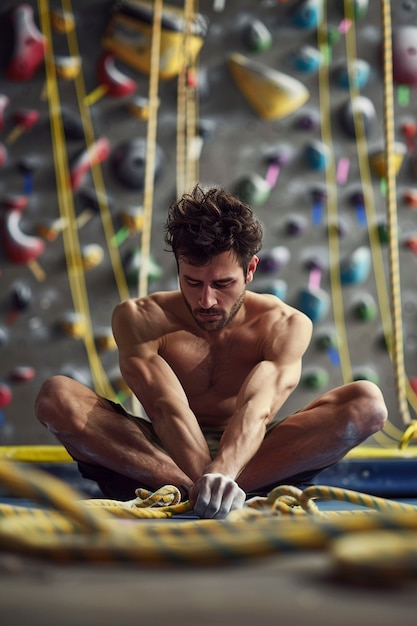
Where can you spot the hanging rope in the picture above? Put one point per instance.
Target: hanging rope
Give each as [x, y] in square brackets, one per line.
[390, 434]
[96, 172]
[66, 204]
[332, 209]
[148, 193]
[396, 310]
[187, 96]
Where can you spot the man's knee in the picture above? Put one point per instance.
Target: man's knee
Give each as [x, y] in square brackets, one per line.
[367, 412]
[49, 404]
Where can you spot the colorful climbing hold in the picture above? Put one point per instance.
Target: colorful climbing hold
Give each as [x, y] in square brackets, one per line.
[252, 189]
[275, 286]
[366, 373]
[129, 161]
[296, 225]
[357, 116]
[132, 264]
[315, 378]
[308, 14]
[355, 269]
[73, 324]
[29, 45]
[256, 36]
[22, 373]
[404, 55]
[308, 59]
[365, 308]
[18, 246]
[105, 340]
[274, 259]
[354, 76]
[272, 94]
[132, 217]
[129, 36]
[377, 159]
[6, 395]
[318, 155]
[95, 153]
[315, 303]
[92, 255]
[111, 81]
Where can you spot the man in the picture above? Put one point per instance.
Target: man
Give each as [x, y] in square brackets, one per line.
[211, 364]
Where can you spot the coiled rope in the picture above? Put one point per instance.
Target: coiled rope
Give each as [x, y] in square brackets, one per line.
[288, 520]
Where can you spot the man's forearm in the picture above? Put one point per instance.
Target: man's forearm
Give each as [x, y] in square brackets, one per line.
[184, 441]
[239, 443]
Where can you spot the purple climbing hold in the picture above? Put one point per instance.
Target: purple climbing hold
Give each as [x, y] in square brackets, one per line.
[404, 55]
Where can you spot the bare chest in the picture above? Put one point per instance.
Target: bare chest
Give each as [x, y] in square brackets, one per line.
[208, 371]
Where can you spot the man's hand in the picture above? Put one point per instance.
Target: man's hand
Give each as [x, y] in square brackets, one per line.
[215, 495]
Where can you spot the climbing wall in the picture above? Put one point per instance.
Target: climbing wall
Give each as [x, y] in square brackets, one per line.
[289, 106]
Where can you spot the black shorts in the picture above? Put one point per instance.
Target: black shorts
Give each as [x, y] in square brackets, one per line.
[120, 487]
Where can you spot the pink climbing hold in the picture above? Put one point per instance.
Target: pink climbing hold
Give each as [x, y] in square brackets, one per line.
[24, 120]
[116, 83]
[5, 395]
[96, 153]
[29, 45]
[23, 373]
[18, 246]
[404, 55]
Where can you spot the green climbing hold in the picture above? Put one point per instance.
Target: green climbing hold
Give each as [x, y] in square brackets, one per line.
[365, 308]
[316, 378]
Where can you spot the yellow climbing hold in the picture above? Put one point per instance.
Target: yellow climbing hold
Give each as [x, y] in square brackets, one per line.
[378, 162]
[271, 93]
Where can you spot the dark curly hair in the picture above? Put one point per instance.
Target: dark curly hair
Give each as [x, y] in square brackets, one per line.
[203, 224]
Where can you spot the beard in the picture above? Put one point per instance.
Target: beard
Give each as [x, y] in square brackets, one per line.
[223, 319]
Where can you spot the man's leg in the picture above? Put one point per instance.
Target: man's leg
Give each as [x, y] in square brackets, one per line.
[317, 436]
[94, 433]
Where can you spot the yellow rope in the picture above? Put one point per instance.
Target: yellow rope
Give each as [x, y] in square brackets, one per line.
[96, 171]
[187, 98]
[334, 254]
[90, 532]
[148, 192]
[383, 438]
[66, 204]
[397, 339]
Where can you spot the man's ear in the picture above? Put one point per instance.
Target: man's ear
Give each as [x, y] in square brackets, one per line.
[252, 269]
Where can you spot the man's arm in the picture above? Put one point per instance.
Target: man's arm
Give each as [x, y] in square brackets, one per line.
[151, 379]
[262, 394]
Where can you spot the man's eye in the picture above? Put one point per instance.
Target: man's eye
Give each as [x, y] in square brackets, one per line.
[223, 285]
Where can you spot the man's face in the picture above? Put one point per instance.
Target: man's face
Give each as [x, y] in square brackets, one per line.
[214, 292]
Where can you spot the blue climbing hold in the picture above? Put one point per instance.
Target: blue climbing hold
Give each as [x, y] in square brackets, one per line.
[276, 287]
[317, 155]
[308, 59]
[315, 303]
[308, 14]
[355, 76]
[355, 269]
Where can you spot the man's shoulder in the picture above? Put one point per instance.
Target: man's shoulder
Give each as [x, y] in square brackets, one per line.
[155, 310]
[272, 311]
[268, 304]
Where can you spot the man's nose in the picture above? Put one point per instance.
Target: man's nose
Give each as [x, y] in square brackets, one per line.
[207, 298]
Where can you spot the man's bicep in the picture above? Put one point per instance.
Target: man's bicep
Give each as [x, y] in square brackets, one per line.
[152, 381]
[274, 378]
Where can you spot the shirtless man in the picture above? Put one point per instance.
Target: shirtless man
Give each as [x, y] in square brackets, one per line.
[211, 364]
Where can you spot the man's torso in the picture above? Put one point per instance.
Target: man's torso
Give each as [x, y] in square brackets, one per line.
[212, 368]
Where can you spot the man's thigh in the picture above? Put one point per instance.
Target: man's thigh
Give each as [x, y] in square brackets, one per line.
[112, 484]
